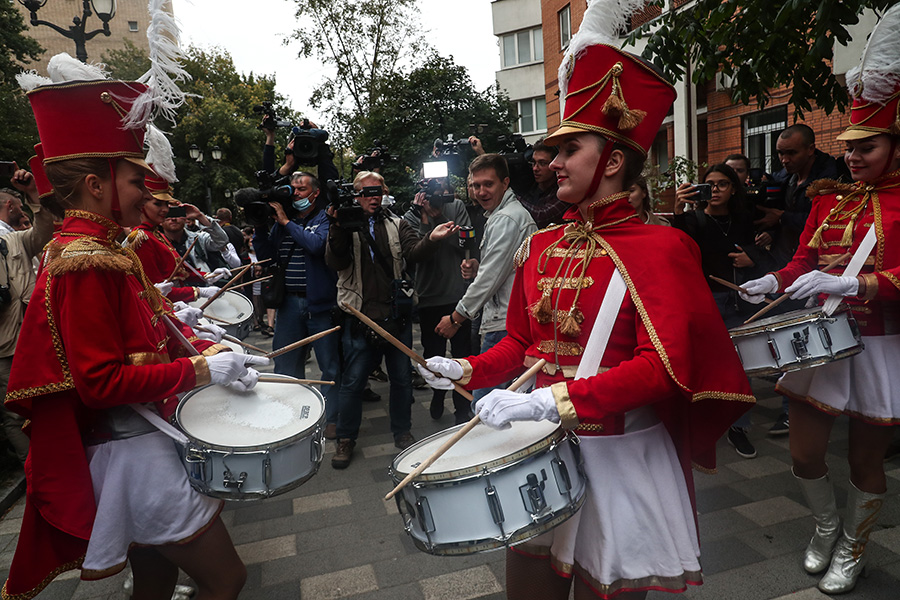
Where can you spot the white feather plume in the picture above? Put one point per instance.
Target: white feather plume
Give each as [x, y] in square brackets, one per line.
[878, 74]
[28, 80]
[159, 153]
[603, 21]
[163, 96]
[63, 68]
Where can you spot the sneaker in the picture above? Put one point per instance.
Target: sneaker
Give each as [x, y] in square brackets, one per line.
[737, 437]
[781, 426]
[404, 440]
[331, 431]
[267, 331]
[343, 454]
[437, 408]
[369, 396]
[378, 375]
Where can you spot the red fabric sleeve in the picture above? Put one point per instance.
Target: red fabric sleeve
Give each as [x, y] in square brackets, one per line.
[98, 311]
[182, 294]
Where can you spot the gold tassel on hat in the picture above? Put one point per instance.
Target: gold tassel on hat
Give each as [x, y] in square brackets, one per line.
[615, 105]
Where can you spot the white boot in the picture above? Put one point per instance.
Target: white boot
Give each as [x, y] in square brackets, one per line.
[819, 495]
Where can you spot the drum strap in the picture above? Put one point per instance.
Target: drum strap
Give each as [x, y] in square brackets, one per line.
[603, 326]
[853, 268]
[158, 422]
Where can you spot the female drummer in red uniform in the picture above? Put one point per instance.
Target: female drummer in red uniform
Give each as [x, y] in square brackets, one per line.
[861, 386]
[104, 486]
[664, 381]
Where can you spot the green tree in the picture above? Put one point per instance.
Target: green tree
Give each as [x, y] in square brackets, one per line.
[18, 132]
[760, 46]
[218, 111]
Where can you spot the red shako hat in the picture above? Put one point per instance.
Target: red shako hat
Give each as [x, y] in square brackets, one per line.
[159, 187]
[36, 165]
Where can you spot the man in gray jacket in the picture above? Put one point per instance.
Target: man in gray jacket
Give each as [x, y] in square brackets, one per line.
[508, 224]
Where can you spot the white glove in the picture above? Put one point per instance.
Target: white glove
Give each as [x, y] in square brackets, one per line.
[230, 255]
[450, 369]
[817, 282]
[165, 287]
[217, 275]
[210, 332]
[231, 368]
[500, 407]
[207, 292]
[189, 315]
[179, 305]
[758, 288]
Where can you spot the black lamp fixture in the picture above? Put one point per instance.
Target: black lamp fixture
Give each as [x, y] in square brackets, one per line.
[105, 10]
[196, 154]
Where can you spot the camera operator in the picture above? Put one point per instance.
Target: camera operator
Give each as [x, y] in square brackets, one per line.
[325, 168]
[368, 250]
[297, 243]
[439, 283]
[17, 279]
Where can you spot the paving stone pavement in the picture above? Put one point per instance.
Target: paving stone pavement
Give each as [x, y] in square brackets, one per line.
[335, 537]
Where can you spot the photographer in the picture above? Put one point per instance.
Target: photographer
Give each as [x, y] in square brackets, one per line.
[17, 279]
[439, 283]
[297, 244]
[367, 246]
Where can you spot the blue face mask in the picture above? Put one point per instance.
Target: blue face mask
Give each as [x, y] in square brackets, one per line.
[301, 204]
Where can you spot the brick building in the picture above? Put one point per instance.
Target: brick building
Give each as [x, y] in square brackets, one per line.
[704, 124]
[129, 23]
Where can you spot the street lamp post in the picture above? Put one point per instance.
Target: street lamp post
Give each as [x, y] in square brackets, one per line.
[105, 9]
[197, 156]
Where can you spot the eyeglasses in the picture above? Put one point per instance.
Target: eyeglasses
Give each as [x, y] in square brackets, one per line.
[540, 163]
[720, 185]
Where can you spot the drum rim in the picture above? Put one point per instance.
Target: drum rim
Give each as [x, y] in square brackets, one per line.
[554, 437]
[231, 322]
[808, 364]
[809, 314]
[259, 447]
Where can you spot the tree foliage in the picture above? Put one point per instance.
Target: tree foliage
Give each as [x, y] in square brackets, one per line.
[218, 112]
[760, 46]
[18, 132]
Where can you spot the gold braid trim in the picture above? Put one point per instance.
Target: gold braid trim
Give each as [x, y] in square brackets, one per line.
[112, 228]
[75, 564]
[887, 275]
[215, 349]
[467, 371]
[136, 238]
[524, 250]
[823, 187]
[201, 370]
[85, 254]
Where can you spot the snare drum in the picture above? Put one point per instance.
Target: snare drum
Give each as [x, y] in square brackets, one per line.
[231, 311]
[493, 488]
[796, 340]
[251, 445]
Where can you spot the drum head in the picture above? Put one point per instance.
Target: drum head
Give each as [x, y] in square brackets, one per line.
[481, 447]
[267, 414]
[230, 307]
[783, 319]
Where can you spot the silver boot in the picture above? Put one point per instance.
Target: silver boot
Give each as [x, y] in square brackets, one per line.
[819, 495]
[849, 560]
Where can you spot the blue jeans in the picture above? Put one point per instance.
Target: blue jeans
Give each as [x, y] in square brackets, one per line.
[294, 322]
[360, 357]
[488, 341]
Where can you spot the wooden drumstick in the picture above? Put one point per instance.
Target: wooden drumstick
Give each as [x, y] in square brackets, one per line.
[402, 347]
[736, 288]
[252, 282]
[224, 288]
[305, 381]
[785, 296]
[234, 340]
[523, 378]
[259, 262]
[181, 259]
[302, 342]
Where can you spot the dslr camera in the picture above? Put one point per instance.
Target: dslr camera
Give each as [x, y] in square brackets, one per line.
[342, 196]
[255, 201]
[374, 158]
[270, 120]
[308, 142]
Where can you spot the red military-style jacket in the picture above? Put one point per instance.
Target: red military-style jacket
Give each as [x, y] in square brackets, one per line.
[826, 237]
[92, 340]
[159, 258]
[668, 349]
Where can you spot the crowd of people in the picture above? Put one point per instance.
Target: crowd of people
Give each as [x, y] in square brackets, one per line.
[572, 272]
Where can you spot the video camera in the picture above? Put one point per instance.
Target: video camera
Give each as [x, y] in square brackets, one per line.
[270, 121]
[762, 190]
[451, 147]
[374, 158]
[308, 142]
[433, 183]
[518, 154]
[255, 201]
[348, 213]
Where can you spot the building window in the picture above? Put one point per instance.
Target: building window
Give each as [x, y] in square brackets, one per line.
[532, 115]
[522, 47]
[565, 26]
[761, 132]
[132, 26]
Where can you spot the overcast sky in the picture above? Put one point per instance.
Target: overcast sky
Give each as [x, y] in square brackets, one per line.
[253, 32]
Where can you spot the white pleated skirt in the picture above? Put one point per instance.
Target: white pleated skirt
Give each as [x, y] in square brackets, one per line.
[636, 529]
[143, 498]
[861, 386]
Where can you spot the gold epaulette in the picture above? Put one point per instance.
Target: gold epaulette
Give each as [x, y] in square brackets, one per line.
[823, 187]
[525, 249]
[83, 254]
[136, 238]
